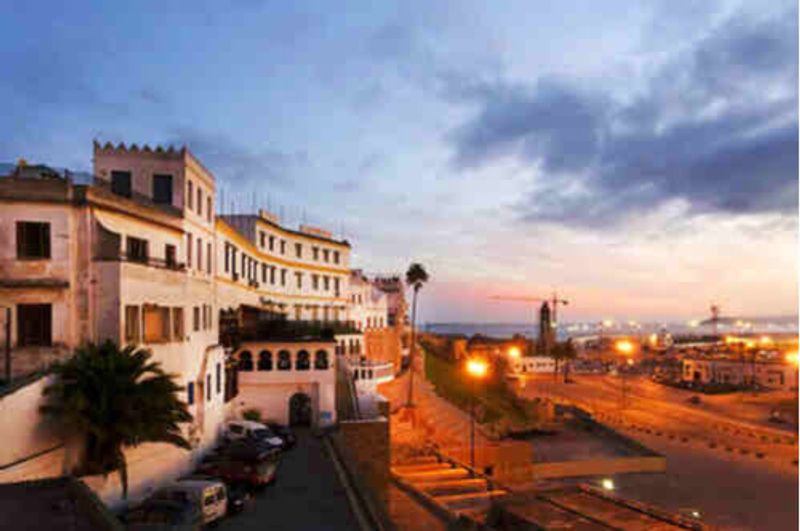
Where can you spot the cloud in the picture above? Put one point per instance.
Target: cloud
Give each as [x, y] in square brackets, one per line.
[238, 164]
[715, 126]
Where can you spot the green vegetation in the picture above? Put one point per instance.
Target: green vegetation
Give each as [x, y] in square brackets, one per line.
[252, 414]
[416, 277]
[495, 403]
[111, 398]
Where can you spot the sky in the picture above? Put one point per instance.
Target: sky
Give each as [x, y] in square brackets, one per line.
[639, 157]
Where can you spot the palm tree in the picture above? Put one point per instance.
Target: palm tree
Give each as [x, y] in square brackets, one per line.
[562, 352]
[416, 277]
[110, 398]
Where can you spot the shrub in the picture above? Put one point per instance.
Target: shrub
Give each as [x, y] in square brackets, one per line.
[252, 414]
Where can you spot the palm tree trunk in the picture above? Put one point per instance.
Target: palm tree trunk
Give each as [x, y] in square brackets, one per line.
[412, 348]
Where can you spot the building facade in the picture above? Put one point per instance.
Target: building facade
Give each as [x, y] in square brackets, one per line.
[770, 374]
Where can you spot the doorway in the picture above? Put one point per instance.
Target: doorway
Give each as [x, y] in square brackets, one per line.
[300, 410]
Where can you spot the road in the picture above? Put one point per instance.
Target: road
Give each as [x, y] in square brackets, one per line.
[306, 496]
[736, 480]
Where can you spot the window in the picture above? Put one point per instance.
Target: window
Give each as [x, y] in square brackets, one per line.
[299, 277]
[33, 240]
[265, 360]
[136, 249]
[190, 194]
[205, 317]
[283, 277]
[326, 255]
[315, 281]
[209, 210]
[169, 255]
[189, 249]
[199, 254]
[219, 378]
[283, 246]
[156, 324]
[199, 201]
[303, 362]
[326, 282]
[284, 360]
[208, 258]
[190, 393]
[177, 324]
[272, 243]
[315, 252]
[196, 323]
[263, 273]
[227, 257]
[298, 312]
[272, 274]
[261, 238]
[336, 286]
[34, 325]
[132, 324]
[335, 257]
[298, 250]
[121, 183]
[245, 361]
[162, 189]
[208, 388]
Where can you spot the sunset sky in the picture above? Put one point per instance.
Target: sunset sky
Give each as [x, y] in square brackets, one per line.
[640, 157]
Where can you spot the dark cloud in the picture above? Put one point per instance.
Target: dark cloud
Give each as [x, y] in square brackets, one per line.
[715, 126]
[238, 164]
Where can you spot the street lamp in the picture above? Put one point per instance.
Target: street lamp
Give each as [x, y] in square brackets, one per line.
[477, 369]
[626, 348]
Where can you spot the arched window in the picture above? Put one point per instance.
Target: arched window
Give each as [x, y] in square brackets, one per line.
[245, 361]
[303, 362]
[321, 360]
[352, 347]
[265, 360]
[284, 360]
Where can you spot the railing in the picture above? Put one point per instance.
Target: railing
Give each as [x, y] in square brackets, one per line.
[149, 261]
[285, 330]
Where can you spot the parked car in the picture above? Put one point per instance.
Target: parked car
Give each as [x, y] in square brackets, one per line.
[285, 433]
[246, 449]
[253, 473]
[163, 515]
[237, 494]
[209, 496]
[247, 429]
[694, 399]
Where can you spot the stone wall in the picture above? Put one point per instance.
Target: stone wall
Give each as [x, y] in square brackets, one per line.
[365, 447]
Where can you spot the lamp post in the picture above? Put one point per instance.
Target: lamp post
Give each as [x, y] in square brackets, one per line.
[625, 347]
[476, 370]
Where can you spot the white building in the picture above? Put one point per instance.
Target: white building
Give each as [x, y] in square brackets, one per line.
[532, 364]
[369, 305]
[777, 375]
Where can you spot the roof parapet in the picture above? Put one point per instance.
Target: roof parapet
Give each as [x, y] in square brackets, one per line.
[169, 151]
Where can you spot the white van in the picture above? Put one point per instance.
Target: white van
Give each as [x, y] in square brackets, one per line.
[209, 496]
[248, 429]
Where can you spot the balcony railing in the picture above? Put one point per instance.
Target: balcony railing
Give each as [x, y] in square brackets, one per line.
[149, 261]
[285, 330]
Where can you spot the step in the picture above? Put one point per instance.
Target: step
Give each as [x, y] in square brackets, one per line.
[470, 500]
[427, 477]
[421, 460]
[404, 469]
[456, 486]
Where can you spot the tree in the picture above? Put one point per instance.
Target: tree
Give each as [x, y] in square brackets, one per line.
[562, 352]
[416, 277]
[110, 398]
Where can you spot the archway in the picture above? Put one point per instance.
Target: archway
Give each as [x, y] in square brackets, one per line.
[300, 410]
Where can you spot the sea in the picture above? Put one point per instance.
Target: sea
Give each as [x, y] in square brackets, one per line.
[756, 325]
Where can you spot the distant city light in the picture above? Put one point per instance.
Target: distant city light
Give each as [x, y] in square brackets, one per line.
[695, 514]
[514, 352]
[693, 323]
[792, 357]
[607, 484]
[653, 339]
[766, 340]
[608, 323]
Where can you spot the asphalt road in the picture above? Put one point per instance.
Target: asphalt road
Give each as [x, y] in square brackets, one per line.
[727, 483]
[307, 495]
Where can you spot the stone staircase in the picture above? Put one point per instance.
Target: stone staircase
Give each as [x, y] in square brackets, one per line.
[453, 488]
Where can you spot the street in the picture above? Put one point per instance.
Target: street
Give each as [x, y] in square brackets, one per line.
[306, 496]
[718, 465]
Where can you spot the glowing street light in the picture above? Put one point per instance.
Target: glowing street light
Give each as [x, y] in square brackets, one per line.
[514, 352]
[624, 346]
[792, 357]
[607, 484]
[477, 369]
